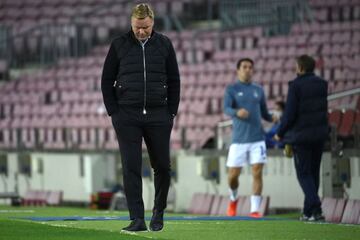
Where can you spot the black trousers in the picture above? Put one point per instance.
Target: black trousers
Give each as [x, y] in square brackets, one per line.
[307, 164]
[132, 126]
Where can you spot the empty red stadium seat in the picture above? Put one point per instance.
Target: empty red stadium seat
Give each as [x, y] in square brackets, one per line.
[223, 206]
[328, 206]
[54, 198]
[347, 123]
[357, 118]
[244, 203]
[214, 210]
[339, 210]
[29, 198]
[206, 203]
[243, 206]
[196, 203]
[264, 206]
[35, 198]
[352, 212]
[335, 118]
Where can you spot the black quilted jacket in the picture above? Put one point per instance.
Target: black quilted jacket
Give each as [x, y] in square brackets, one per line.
[141, 74]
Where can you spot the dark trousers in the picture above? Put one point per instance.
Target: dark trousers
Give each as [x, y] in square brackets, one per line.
[132, 126]
[307, 164]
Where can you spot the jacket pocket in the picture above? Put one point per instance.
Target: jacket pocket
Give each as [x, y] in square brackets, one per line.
[156, 93]
[129, 93]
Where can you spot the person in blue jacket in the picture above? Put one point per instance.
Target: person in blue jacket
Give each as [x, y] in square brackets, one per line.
[304, 125]
[269, 136]
[244, 102]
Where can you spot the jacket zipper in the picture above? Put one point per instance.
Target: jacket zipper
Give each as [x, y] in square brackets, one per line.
[144, 62]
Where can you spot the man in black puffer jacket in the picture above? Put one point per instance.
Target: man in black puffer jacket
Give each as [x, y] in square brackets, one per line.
[141, 90]
[304, 125]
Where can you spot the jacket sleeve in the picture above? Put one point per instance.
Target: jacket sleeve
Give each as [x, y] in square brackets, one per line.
[289, 116]
[110, 71]
[172, 71]
[229, 104]
[263, 108]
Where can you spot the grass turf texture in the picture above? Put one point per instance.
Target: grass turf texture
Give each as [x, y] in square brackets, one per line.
[11, 227]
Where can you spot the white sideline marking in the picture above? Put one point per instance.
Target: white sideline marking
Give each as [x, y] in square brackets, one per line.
[79, 228]
[17, 211]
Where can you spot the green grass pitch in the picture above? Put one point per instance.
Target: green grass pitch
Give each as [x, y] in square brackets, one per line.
[12, 227]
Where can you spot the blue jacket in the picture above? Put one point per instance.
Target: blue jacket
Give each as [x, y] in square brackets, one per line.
[251, 97]
[269, 137]
[305, 117]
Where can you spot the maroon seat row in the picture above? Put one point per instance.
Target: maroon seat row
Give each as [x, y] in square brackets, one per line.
[216, 205]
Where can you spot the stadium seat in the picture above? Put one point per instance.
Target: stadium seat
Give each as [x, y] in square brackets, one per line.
[111, 143]
[26, 199]
[205, 205]
[339, 210]
[243, 206]
[328, 206]
[335, 118]
[352, 212]
[264, 206]
[31, 198]
[214, 210]
[347, 123]
[196, 202]
[41, 198]
[223, 205]
[357, 118]
[54, 198]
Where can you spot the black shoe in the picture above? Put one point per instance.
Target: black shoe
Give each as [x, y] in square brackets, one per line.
[136, 225]
[318, 217]
[157, 221]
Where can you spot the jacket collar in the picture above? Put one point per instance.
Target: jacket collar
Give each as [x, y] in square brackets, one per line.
[305, 75]
[132, 35]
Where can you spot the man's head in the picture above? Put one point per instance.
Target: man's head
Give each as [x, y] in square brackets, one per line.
[142, 21]
[279, 106]
[245, 69]
[279, 109]
[305, 64]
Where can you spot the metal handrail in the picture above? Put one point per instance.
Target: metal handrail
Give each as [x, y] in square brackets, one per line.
[331, 97]
[343, 94]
